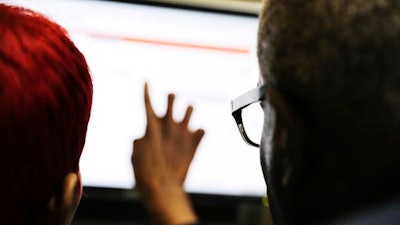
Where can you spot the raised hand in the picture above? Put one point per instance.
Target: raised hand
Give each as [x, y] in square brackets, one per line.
[161, 159]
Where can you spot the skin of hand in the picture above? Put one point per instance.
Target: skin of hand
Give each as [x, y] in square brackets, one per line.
[161, 159]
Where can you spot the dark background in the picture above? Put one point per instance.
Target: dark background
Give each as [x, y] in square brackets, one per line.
[120, 207]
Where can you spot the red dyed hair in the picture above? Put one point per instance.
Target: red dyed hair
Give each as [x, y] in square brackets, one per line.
[45, 102]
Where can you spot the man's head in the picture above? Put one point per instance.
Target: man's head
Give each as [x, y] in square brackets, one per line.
[45, 101]
[334, 105]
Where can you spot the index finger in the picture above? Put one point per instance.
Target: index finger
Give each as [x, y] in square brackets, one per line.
[147, 103]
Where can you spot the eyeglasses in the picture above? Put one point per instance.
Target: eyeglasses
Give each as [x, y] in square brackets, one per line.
[255, 95]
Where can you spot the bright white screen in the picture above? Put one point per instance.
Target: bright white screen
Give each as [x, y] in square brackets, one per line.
[206, 59]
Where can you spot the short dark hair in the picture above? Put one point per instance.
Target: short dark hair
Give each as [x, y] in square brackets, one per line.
[45, 102]
[337, 64]
[337, 61]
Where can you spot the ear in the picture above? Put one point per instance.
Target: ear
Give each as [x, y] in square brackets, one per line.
[289, 140]
[64, 203]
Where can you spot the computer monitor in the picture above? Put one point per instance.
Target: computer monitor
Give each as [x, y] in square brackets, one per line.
[205, 57]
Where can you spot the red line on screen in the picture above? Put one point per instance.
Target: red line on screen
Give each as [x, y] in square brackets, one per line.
[187, 45]
[169, 43]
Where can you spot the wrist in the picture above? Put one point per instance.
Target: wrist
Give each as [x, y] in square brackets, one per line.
[170, 205]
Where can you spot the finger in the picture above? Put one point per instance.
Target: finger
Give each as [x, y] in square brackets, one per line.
[169, 113]
[147, 103]
[188, 114]
[198, 135]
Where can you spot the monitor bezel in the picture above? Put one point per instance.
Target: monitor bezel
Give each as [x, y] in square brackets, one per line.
[193, 5]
